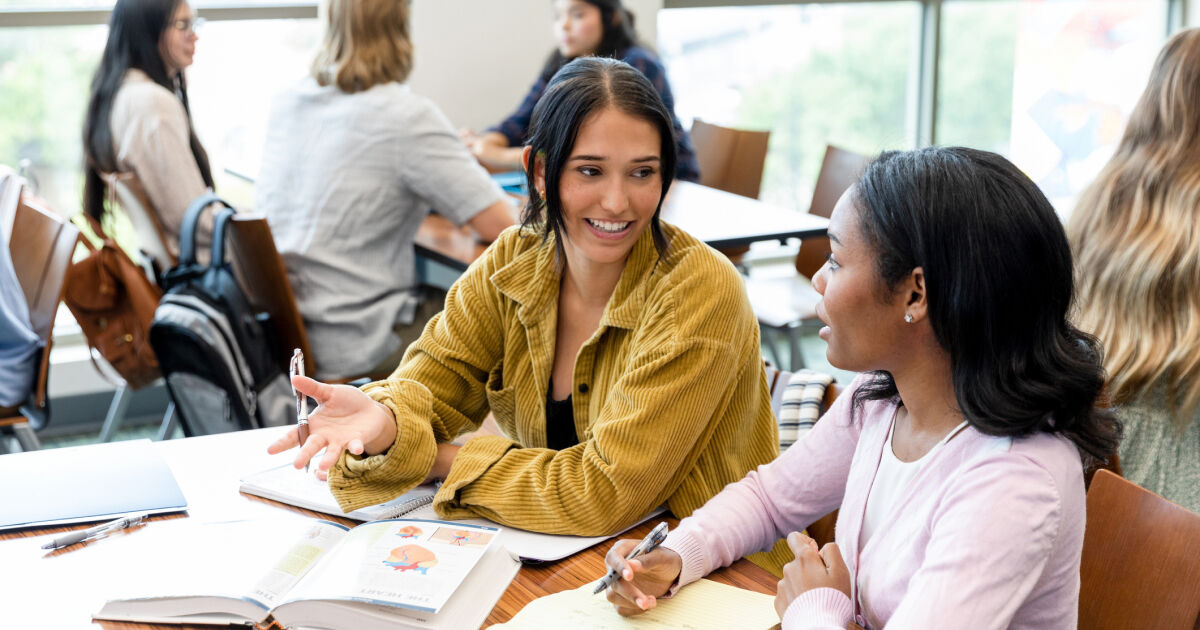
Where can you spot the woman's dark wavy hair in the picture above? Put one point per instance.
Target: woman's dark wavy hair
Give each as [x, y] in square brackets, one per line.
[617, 22]
[584, 87]
[999, 285]
[134, 31]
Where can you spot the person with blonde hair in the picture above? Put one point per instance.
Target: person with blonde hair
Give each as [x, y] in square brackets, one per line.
[353, 162]
[1136, 239]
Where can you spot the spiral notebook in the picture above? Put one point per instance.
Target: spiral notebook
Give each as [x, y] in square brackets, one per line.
[295, 487]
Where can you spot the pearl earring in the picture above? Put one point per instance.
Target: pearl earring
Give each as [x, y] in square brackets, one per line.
[908, 318]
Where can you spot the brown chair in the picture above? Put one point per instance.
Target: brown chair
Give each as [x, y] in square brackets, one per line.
[261, 273]
[41, 245]
[731, 160]
[1141, 560]
[784, 302]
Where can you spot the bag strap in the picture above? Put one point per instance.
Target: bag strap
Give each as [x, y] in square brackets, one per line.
[191, 219]
[220, 224]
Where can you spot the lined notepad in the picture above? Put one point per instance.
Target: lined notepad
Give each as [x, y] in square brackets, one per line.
[701, 605]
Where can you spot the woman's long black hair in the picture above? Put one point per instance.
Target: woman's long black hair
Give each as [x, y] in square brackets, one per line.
[583, 87]
[617, 22]
[134, 32]
[999, 282]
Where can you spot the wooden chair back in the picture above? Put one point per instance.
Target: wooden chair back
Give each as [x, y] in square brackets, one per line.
[839, 170]
[41, 246]
[152, 236]
[1141, 559]
[259, 269]
[730, 159]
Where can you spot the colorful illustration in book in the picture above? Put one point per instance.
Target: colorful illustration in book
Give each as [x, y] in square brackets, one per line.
[411, 558]
[461, 537]
[409, 531]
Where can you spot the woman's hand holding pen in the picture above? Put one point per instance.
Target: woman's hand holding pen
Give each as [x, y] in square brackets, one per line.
[811, 569]
[643, 579]
[345, 420]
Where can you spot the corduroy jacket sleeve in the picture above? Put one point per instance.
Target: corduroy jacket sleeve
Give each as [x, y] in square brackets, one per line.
[435, 394]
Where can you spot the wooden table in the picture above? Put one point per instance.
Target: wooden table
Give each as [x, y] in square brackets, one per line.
[60, 590]
[721, 219]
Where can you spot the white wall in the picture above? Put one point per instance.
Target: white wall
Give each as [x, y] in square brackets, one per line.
[477, 58]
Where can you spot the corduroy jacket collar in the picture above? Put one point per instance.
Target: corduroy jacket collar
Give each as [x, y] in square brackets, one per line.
[534, 292]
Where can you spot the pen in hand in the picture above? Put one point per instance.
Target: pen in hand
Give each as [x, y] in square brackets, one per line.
[297, 367]
[648, 544]
[67, 540]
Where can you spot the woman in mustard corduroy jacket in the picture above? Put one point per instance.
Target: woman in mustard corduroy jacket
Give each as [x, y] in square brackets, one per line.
[618, 354]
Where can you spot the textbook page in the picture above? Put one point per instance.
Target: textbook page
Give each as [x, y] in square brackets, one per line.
[288, 485]
[240, 568]
[697, 606]
[416, 564]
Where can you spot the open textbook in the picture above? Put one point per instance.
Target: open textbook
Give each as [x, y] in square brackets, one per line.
[288, 485]
[398, 573]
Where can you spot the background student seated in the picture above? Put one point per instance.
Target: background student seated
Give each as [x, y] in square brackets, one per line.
[955, 460]
[353, 163]
[137, 115]
[583, 28]
[619, 355]
[1136, 237]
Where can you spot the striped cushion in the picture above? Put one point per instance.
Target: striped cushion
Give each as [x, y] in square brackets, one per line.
[801, 405]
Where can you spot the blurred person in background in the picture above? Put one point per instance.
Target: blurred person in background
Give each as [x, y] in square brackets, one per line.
[1136, 238]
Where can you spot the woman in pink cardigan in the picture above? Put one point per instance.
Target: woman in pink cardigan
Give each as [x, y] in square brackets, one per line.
[956, 460]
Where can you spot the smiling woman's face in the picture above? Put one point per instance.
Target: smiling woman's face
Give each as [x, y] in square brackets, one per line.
[610, 186]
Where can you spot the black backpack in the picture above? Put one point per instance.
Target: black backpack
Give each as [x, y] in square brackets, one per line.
[214, 350]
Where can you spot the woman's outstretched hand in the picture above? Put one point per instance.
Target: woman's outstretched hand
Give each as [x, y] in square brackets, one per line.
[345, 419]
[643, 579]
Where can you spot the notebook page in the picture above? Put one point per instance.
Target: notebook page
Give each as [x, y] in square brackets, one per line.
[297, 487]
[702, 604]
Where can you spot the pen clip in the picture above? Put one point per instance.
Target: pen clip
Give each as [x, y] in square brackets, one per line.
[296, 368]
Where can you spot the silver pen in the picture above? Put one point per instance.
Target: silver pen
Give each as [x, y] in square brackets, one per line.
[648, 544]
[84, 534]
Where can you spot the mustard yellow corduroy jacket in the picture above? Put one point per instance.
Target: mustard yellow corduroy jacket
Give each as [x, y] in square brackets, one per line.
[670, 397]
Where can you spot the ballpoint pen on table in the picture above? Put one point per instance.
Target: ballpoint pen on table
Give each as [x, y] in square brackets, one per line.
[84, 534]
[297, 367]
[648, 544]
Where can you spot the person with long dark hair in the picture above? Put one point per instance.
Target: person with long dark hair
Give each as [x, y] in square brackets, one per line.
[138, 119]
[957, 458]
[618, 354]
[584, 28]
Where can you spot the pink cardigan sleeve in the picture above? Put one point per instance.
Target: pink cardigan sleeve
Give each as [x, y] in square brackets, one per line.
[786, 495]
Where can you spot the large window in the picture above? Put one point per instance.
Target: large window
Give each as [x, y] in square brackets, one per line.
[1048, 84]
[811, 74]
[45, 72]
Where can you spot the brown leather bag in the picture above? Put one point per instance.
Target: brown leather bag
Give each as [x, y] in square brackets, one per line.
[114, 301]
